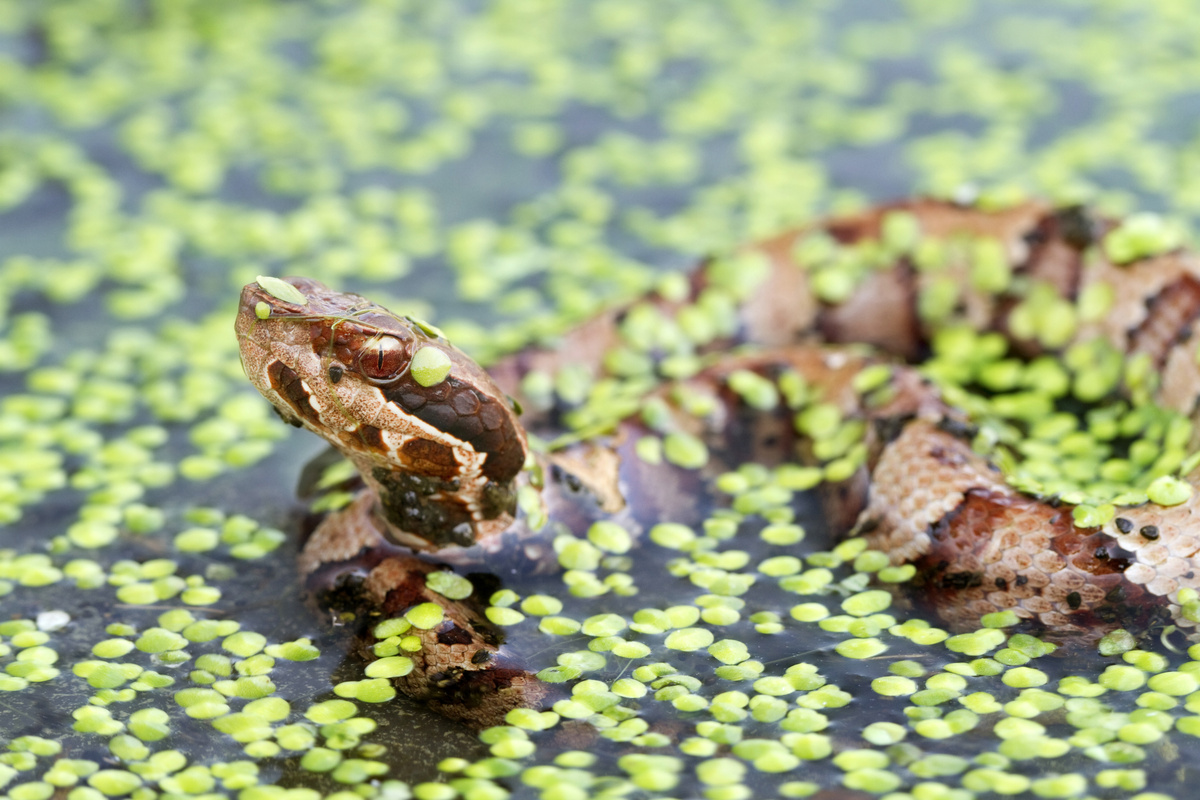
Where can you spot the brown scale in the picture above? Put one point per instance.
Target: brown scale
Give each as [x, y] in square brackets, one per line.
[460, 669]
[922, 475]
[883, 313]
[1170, 315]
[430, 458]
[377, 346]
[290, 387]
[470, 416]
[424, 506]
[1057, 245]
[999, 550]
[1056, 257]
[981, 546]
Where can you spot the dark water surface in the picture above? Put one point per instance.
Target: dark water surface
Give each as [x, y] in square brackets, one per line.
[502, 168]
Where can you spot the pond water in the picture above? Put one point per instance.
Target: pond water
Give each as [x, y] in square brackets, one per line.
[503, 169]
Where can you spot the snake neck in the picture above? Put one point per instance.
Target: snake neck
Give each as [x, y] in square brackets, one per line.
[429, 512]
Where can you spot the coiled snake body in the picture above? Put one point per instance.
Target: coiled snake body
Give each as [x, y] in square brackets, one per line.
[450, 476]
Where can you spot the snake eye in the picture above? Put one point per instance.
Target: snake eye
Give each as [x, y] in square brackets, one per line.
[382, 358]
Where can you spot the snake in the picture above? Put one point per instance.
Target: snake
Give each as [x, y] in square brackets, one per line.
[814, 348]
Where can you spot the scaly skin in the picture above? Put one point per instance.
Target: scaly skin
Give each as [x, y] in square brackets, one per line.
[442, 464]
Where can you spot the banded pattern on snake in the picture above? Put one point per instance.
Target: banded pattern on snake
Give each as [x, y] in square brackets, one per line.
[449, 476]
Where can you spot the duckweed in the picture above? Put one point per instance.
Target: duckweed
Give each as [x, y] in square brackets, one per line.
[1022, 677]
[281, 290]
[893, 686]
[424, 616]
[861, 648]
[1168, 491]
[114, 419]
[197, 540]
[500, 616]
[609, 537]
[430, 366]
[298, 650]
[687, 639]
[685, 450]
[244, 643]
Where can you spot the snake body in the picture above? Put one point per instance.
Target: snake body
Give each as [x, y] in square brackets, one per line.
[444, 459]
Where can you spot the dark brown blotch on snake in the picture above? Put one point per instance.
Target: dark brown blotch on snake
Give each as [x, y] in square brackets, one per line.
[443, 464]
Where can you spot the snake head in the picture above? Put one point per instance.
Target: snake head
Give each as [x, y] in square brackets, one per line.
[424, 423]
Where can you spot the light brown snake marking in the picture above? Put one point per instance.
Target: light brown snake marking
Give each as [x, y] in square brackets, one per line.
[443, 464]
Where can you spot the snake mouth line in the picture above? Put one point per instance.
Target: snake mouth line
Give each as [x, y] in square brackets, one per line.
[436, 441]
